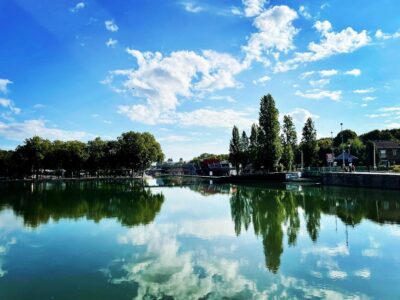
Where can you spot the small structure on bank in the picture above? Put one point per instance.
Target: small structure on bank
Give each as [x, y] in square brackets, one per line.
[348, 158]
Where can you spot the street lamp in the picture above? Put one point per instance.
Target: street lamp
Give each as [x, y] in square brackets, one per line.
[341, 130]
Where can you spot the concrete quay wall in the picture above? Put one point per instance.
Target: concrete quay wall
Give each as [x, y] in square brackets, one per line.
[367, 180]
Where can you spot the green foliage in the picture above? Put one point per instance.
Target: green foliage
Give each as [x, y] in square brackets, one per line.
[235, 149]
[254, 146]
[347, 135]
[133, 150]
[244, 149]
[203, 156]
[309, 144]
[325, 146]
[289, 142]
[269, 139]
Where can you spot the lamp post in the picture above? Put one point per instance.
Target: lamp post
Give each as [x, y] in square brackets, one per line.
[332, 148]
[341, 130]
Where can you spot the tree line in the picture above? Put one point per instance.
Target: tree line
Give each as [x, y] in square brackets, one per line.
[272, 147]
[132, 152]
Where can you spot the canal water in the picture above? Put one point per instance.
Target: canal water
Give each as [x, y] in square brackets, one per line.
[197, 240]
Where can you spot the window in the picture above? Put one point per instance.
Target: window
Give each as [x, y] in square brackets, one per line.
[394, 152]
[383, 153]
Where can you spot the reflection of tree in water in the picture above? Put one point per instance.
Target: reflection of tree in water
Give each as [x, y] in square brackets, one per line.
[129, 203]
[270, 209]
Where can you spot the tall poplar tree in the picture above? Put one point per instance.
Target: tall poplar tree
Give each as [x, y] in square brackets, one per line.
[309, 144]
[235, 149]
[244, 148]
[254, 146]
[289, 141]
[270, 142]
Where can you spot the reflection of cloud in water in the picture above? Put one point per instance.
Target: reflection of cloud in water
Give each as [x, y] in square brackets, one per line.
[363, 273]
[166, 268]
[8, 223]
[337, 274]
[373, 250]
[340, 249]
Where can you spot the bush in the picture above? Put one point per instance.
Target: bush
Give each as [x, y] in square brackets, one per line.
[396, 168]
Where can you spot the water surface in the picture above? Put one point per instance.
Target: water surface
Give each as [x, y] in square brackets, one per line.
[196, 240]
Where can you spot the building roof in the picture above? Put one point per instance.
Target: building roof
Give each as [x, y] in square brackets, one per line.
[387, 144]
[346, 157]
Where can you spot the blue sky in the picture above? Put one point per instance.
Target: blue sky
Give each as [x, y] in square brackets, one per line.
[187, 71]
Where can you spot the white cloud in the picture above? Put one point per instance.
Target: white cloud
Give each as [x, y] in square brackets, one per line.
[3, 85]
[354, 72]
[163, 80]
[368, 98]
[276, 31]
[212, 118]
[7, 103]
[364, 91]
[191, 7]
[304, 12]
[223, 98]
[111, 26]
[262, 80]
[77, 7]
[332, 43]
[363, 273]
[253, 7]
[338, 250]
[319, 83]
[26, 129]
[111, 43]
[386, 36]
[318, 94]
[337, 275]
[328, 73]
[306, 74]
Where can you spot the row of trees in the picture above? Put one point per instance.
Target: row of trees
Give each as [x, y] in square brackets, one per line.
[270, 146]
[273, 147]
[132, 150]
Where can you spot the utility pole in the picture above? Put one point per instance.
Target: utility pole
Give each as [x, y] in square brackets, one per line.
[341, 130]
[374, 156]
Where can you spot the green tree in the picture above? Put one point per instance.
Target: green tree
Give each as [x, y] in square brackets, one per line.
[325, 146]
[34, 152]
[97, 150]
[347, 135]
[244, 149]
[309, 144]
[235, 149]
[270, 143]
[149, 151]
[75, 157]
[254, 146]
[289, 142]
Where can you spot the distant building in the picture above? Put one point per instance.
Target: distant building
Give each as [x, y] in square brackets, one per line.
[388, 152]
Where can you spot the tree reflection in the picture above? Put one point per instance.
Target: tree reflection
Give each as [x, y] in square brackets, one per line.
[272, 209]
[128, 202]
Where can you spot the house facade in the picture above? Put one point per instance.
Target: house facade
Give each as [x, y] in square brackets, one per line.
[388, 152]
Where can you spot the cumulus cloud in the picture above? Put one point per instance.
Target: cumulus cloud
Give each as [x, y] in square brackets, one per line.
[191, 7]
[253, 7]
[303, 11]
[332, 43]
[77, 7]
[318, 94]
[354, 72]
[111, 43]
[365, 91]
[8, 104]
[161, 81]
[111, 26]
[262, 80]
[19, 131]
[275, 32]
[3, 85]
[328, 73]
[380, 35]
[368, 98]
